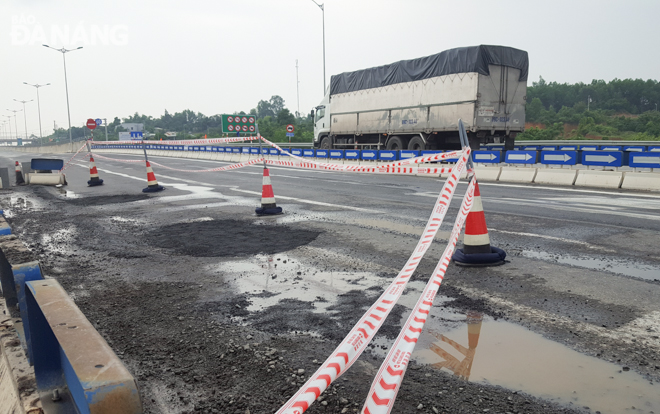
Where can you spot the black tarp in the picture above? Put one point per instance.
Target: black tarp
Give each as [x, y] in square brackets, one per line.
[459, 60]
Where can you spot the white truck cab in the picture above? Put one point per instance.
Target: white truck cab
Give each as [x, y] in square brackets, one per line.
[322, 123]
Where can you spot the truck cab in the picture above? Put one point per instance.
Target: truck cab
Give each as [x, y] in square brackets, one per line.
[322, 124]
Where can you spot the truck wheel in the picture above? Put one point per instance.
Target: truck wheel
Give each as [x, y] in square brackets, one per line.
[395, 144]
[416, 144]
[325, 143]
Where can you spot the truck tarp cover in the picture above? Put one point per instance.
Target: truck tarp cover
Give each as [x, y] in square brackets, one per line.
[459, 60]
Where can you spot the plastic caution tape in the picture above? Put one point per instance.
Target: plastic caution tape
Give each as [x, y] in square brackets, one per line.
[361, 168]
[182, 142]
[74, 156]
[387, 382]
[363, 332]
[339, 167]
[227, 168]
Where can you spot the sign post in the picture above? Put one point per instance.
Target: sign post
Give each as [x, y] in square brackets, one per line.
[91, 124]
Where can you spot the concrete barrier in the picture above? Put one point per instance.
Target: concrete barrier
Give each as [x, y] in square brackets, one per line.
[641, 181]
[518, 175]
[598, 178]
[556, 176]
[487, 173]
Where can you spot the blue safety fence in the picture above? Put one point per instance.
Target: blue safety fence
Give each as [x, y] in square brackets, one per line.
[586, 154]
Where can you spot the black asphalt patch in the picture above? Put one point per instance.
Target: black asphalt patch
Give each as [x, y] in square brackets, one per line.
[220, 238]
[104, 200]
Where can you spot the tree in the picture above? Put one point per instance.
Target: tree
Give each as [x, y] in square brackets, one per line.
[276, 104]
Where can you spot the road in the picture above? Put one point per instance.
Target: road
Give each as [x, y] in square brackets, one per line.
[216, 310]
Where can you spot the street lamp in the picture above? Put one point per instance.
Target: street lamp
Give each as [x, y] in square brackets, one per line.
[323, 11]
[66, 86]
[36, 85]
[15, 124]
[24, 115]
[8, 123]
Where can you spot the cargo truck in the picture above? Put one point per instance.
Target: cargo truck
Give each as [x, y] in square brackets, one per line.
[415, 104]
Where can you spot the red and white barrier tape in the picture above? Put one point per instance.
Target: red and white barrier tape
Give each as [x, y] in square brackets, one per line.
[74, 156]
[95, 155]
[359, 337]
[363, 168]
[227, 168]
[182, 142]
[387, 382]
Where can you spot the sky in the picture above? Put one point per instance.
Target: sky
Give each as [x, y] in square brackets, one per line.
[222, 56]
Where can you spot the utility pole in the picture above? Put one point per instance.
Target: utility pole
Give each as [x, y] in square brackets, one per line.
[298, 88]
[8, 123]
[37, 86]
[15, 123]
[25, 116]
[322, 7]
[588, 102]
[105, 124]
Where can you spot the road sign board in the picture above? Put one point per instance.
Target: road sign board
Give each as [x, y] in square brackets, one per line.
[290, 134]
[610, 148]
[388, 155]
[603, 158]
[238, 123]
[290, 128]
[91, 124]
[352, 154]
[322, 153]
[559, 157]
[336, 154]
[634, 148]
[98, 121]
[308, 153]
[409, 154]
[369, 155]
[644, 160]
[487, 157]
[520, 157]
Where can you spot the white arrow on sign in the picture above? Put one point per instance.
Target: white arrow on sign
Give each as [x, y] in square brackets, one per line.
[520, 157]
[484, 157]
[368, 154]
[352, 154]
[647, 160]
[552, 157]
[387, 155]
[335, 153]
[600, 158]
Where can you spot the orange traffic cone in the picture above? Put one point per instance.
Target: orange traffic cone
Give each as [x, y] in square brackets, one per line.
[477, 250]
[94, 179]
[268, 205]
[19, 174]
[151, 181]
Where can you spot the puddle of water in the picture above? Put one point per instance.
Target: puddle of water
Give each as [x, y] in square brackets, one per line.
[67, 193]
[609, 265]
[58, 241]
[271, 278]
[500, 353]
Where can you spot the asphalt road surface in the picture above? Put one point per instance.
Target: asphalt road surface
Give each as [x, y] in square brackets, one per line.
[216, 310]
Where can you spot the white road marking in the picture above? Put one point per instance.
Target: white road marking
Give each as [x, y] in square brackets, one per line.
[543, 236]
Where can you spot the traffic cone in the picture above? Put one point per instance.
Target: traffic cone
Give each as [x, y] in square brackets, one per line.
[477, 250]
[94, 179]
[151, 180]
[19, 174]
[268, 205]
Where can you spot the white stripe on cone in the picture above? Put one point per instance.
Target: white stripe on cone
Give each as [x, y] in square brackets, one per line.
[268, 200]
[476, 240]
[477, 206]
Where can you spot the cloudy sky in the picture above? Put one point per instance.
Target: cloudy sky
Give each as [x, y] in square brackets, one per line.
[223, 56]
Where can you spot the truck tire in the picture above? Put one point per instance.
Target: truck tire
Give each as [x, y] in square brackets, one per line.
[416, 144]
[325, 143]
[395, 144]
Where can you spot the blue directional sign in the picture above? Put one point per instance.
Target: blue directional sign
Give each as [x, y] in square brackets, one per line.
[388, 155]
[245, 150]
[531, 148]
[487, 157]
[568, 148]
[644, 160]
[634, 148]
[265, 151]
[409, 154]
[98, 121]
[296, 151]
[254, 150]
[290, 134]
[610, 148]
[603, 158]
[236, 150]
[285, 152]
[274, 151]
[209, 149]
[337, 154]
[559, 157]
[321, 153]
[589, 147]
[352, 154]
[548, 148]
[369, 155]
[654, 149]
[308, 153]
[521, 157]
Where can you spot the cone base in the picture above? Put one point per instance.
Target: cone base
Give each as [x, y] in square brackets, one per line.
[494, 258]
[261, 211]
[153, 189]
[94, 182]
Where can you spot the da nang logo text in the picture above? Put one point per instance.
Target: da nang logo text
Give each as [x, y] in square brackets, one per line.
[26, 30]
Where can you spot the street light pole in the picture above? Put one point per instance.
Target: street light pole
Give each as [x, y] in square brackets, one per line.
[24, 115]
[321, 6]
[37, 86]
[15, 123]
[105, 124]
[8, 123]
[66, 86]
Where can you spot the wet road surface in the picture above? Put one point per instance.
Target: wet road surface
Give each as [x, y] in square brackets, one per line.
[206, 302]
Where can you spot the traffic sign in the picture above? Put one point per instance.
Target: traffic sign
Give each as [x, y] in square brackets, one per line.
[98, 121]
[559, 157]
[91, 124]
[289, 128]
[290, 134]
[388, 155]
[644, 160]
[238, 123]
[352, 154]
[603, 158]
[520, 157]
[369, 155]
[487, 157]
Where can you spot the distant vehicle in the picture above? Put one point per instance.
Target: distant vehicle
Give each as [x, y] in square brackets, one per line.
[415, 104]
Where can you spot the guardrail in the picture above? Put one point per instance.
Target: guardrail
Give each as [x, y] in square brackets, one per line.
[634, 156]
